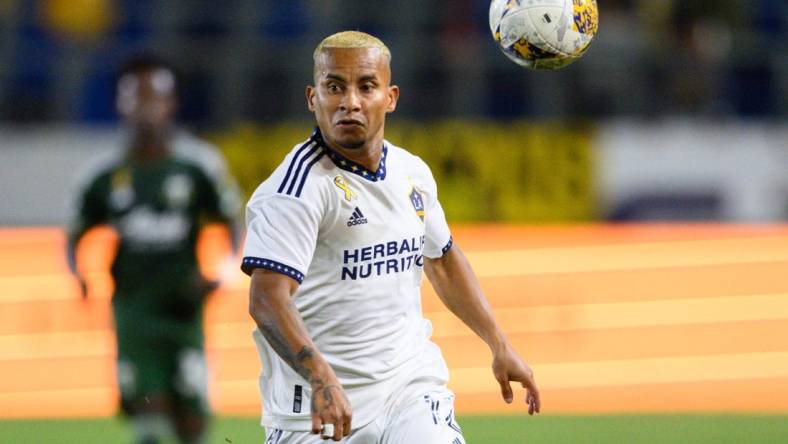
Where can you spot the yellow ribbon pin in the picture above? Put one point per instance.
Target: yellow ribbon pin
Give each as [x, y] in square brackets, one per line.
[349, 194]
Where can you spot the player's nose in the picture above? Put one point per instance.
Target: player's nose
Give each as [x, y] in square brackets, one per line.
[351, 102]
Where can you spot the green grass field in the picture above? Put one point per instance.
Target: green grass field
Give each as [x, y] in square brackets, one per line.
[673, 429]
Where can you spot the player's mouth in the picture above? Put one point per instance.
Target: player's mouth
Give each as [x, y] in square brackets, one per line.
[349, 123]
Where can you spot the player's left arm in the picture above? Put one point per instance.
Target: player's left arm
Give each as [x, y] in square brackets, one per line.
[456, 284]
[224, 205]
[222, 202]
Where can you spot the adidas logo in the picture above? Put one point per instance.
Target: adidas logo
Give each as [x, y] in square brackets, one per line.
[357, 218]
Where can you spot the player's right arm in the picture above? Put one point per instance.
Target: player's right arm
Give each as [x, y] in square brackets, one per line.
[281, 234]
[272, 308]
[71, 260]
[88, 210]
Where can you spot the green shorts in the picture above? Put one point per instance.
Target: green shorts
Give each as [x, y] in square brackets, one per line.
[160, 357]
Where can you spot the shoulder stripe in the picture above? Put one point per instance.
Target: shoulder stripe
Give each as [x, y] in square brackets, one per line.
[297, 174]
[298, 152]
[306, 172]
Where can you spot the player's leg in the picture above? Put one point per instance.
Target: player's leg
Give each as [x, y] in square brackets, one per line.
[181, 317]
[150, 421]
[142, 380]
[190, 395]
[191, 424]
[146, 410]
[426, 418]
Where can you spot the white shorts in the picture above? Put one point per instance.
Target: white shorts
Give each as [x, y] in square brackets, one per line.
[417, 414]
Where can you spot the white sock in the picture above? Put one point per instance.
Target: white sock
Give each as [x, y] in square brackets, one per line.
[151, 426]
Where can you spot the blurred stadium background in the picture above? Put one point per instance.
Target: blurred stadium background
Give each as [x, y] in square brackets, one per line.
[626, 215]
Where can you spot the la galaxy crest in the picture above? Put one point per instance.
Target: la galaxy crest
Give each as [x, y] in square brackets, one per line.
[417, 199]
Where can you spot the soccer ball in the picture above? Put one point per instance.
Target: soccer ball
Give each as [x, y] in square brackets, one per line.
[543, 34]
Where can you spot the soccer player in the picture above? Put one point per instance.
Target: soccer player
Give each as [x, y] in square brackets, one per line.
[155, 194]
[338, 238]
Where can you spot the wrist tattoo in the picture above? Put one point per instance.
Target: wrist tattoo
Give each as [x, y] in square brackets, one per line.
[325, 392]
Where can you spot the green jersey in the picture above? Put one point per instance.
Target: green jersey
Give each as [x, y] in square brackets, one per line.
[157, 209]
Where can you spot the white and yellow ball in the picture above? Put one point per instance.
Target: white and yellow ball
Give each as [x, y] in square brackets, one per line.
[544, 34]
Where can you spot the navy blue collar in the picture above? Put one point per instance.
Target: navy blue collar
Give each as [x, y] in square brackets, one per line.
[348, 165]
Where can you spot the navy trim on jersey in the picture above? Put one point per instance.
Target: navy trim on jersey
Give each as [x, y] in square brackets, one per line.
[447, 247]
[293, 161]
[356, 168]
[306, 173]
[316, 148]
[250, 263]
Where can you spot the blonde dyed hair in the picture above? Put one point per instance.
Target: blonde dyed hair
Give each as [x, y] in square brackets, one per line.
[351, 39]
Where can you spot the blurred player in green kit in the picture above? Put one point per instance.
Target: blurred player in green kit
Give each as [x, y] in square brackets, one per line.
[156, 194]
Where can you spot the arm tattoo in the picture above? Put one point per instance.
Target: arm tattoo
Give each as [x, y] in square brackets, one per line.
[272, 334]
[280, 346]
[304, 354]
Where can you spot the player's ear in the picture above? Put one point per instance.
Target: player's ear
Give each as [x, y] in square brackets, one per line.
[310, 98]
[393, 94]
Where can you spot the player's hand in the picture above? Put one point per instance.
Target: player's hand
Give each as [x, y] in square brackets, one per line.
[330, 409]
[208, 286]
[204, 287]
[83, 287]
[508, 366]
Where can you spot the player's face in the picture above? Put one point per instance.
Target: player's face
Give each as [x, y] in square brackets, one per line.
[146, 101]
[351, 96]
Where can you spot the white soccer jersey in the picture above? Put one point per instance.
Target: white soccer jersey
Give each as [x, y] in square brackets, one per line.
[354, 240]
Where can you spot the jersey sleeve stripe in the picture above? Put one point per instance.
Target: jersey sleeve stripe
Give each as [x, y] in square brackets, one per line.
[250, 263]
[297, 174]
[306, 173]
[300, 150]
[448, 245]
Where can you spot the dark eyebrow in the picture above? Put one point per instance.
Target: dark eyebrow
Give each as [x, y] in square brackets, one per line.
[367, 78]
[336, 77]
